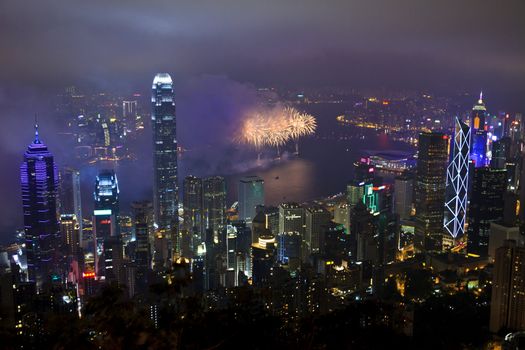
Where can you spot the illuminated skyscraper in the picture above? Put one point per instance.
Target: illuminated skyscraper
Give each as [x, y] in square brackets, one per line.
[478, 151]
[106, 221]
[39, 180]
[106, 211]
[251, 195]
[165, 195]
[457, 182]
[70, 232]
[430, 190]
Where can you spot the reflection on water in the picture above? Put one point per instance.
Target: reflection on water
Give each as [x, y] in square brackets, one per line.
[323, 168]
[286, 180]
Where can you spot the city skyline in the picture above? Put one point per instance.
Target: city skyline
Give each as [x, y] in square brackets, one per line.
[266, 175]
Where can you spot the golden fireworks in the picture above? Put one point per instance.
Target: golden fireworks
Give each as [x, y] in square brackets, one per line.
[276, 128]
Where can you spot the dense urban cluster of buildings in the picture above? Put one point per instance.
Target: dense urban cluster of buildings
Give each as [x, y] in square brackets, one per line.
[453, 220]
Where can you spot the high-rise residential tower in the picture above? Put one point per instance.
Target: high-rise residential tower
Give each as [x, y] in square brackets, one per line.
[251, 195]
[457, 182]
[39, 180]
[430, 190]
[164, 125]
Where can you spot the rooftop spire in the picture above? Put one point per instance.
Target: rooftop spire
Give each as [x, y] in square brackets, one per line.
[37, 139]
[480, 101]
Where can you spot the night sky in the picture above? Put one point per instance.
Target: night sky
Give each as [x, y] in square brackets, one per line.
[360, 43]
[436, 45]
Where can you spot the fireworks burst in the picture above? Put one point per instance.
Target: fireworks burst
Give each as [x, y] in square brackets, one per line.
[276, 128]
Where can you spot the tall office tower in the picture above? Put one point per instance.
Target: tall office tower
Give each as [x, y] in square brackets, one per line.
[113, 260]
[430, 191]
[251, 195]
[486, 206]
[457, 182]
[263, 259]
[355, 192]
[291, 218]
[105, 217]
[478, 151]
[106, 213]
[165, 194]
[507, 308]
[70, 231]
[214, 206]
[129, 114]
[363, 232]
[142, 212]
[193, 211]
[342, 216]
[39, 180]
[70, 198]
[336, 243]
[500, 153]
[142, 255]
[289, 249]
[315, 218]
[404, 195]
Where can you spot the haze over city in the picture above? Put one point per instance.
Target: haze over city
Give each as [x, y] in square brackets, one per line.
[279, 165]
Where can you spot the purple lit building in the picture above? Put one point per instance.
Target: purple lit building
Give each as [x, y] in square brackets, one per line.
[39, 179]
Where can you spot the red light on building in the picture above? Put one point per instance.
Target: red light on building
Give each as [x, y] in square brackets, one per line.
[445, 137]
[370, 170]
[88, 275]
[105, 222]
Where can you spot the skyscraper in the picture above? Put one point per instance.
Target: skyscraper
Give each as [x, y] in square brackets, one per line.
[165, 195]
[486, 206]
[39, 182]
[403, 195]
[457, 182]
[251, 194]
[106, 196]
[192, 203]
[291, 218]
[214, 205]
[70, 232]
[316, 217]
[70, 195]
[507, 309]
[106, 221]
[193, 212]
[430, 190]
[478, 151]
